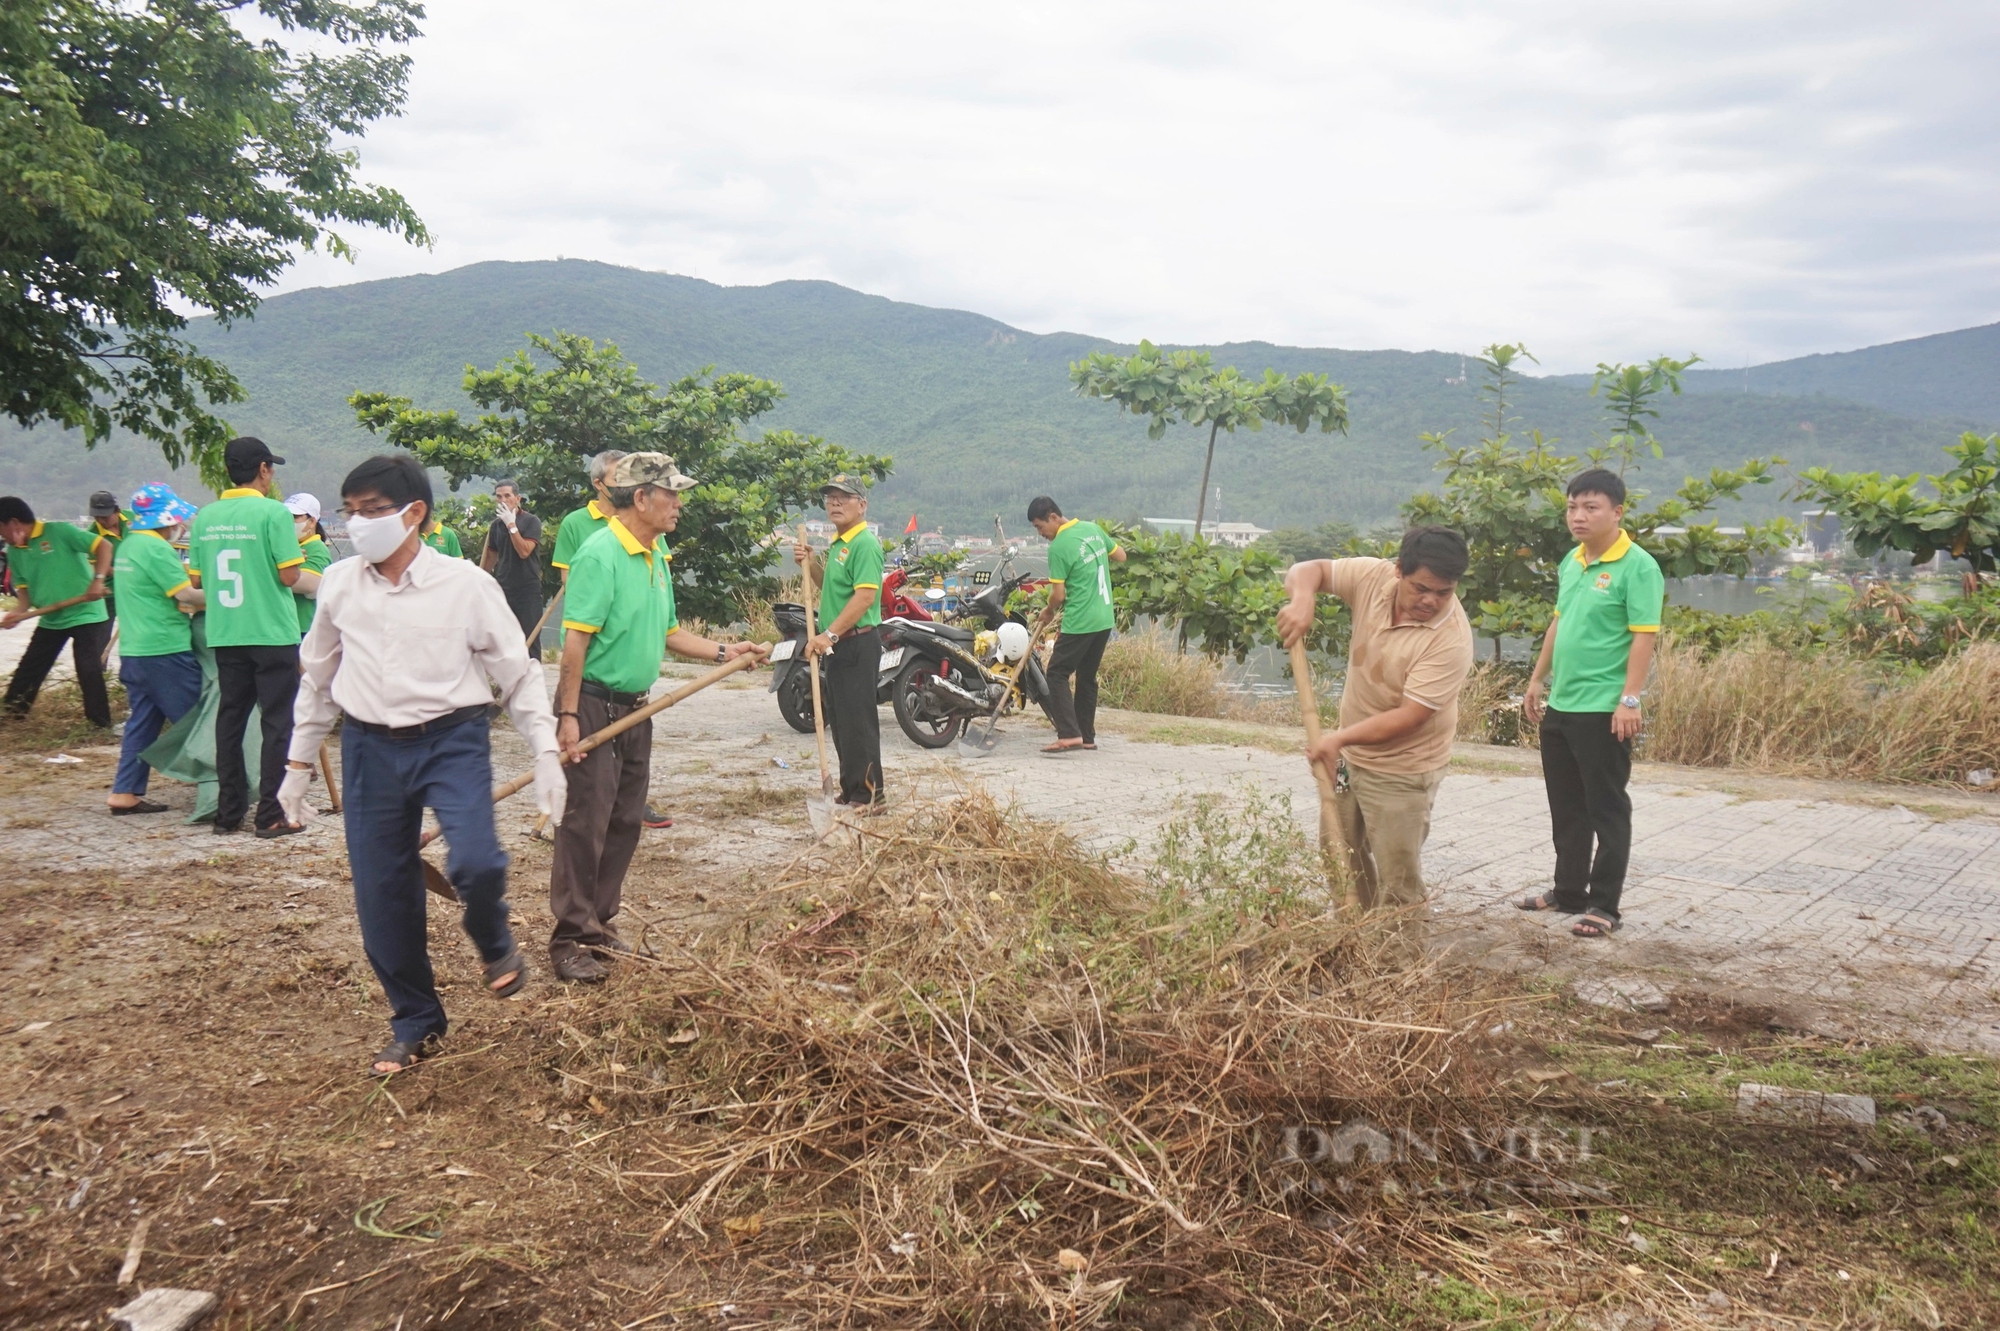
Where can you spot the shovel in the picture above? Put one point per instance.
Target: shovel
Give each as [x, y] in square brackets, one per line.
[434, 878]
[1329, 822]
[818, 808]
[976, 743]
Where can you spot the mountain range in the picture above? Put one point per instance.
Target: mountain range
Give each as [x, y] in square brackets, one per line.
[980, 416]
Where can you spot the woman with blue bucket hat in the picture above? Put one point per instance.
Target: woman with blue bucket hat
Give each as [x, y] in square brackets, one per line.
[156, 660]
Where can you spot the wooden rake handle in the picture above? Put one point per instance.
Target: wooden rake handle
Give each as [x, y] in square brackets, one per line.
[1309, 713]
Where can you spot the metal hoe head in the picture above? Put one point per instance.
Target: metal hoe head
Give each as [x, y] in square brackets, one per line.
[977, 740]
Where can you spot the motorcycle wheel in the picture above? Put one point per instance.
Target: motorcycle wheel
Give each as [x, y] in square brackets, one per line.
[906, 697]
[795, 702]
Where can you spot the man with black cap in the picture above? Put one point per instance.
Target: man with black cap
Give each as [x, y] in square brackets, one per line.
[619, 613]
[850, 607]
[112, 523]
[245, 553]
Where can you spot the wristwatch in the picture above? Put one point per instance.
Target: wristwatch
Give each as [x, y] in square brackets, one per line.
[721, 653]
[1630, 700]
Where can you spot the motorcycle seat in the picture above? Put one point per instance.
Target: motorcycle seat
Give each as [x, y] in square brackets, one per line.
[948, 631]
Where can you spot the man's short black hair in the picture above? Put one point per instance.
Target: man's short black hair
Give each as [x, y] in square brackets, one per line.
[1598, 481]
[397, 477]
[1439, 549]
[1040, 507]
[13, 508]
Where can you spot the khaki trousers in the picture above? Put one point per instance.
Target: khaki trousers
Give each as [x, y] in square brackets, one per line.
[1382, 821]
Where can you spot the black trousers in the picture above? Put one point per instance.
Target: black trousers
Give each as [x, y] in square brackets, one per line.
[1586, 770]
[266, 678]
[526, 603]
[849, 693]
[1076, 654]
[599, 832]
[87, 646]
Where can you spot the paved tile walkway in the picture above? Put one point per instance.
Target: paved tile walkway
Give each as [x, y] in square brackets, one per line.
[1872, 912]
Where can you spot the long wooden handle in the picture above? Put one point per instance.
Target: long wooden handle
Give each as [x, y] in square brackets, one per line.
[547, 610]
[326, 773]
[812, 669]
[634, 717]
[1309, 713]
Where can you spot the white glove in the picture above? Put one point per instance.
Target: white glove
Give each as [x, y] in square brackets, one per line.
[292, 795]
[551, 786]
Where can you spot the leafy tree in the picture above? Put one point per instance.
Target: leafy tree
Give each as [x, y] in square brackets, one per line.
[1960, 515]
[1187, 386]
[542, 423]
[1629, 393]
[1295, 545]
[1497, 359]
[1225, 599]
[1508, 502]
[154, 159]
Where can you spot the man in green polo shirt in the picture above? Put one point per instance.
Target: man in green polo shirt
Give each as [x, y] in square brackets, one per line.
[59, 575]
[1594, 658]
[156, 660]
[621, 623]
[850, 608]
[587, 521]
[1080, 559]
[245, 553]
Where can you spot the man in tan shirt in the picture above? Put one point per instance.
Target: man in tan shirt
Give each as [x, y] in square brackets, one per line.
[1410, 651]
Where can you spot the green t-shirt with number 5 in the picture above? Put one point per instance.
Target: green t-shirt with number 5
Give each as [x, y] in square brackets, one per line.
[238, 544]
[1080, 559]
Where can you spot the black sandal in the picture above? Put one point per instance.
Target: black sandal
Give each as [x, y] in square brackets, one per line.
[1546, 901]
[403, 1054]
[511, 963]
[1595, 924]
[143, 806]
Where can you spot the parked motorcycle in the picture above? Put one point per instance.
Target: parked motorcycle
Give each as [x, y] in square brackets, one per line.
[789, 679]
[949, 674]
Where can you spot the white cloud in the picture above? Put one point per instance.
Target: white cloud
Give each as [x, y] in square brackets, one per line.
[1750, 179]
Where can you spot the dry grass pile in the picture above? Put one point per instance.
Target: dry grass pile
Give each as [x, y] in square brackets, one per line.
[1489, 705]
[965, 1075]
[1145, 672]
[1826, 714]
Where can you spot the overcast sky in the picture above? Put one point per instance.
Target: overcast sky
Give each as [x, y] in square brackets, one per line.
[1748, 180]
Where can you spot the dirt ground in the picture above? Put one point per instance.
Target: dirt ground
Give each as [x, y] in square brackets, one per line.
[189, 1017]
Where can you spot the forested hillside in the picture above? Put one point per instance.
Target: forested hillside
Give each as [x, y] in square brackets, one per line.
[979, 416]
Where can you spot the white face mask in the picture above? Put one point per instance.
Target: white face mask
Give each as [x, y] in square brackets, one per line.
[375, 539]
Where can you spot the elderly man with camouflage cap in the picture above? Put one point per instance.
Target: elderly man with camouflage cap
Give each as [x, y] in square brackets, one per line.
[619, 614]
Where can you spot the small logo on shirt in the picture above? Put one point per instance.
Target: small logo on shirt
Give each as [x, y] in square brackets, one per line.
[1604, 581]
[841, 558]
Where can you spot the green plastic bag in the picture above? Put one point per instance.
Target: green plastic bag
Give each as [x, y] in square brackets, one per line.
[185, 750]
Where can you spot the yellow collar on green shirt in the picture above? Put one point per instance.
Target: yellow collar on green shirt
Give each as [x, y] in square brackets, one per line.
[1066, 526]
[595, 511]
[243, 492]
[34, 531]
[631, 542]
[848, 535]
[1617, 551]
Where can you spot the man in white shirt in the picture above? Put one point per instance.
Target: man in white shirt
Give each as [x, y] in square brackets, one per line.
[404, 642]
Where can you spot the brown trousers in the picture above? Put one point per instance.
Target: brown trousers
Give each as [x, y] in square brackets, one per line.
[600, 829]
[1382, 820]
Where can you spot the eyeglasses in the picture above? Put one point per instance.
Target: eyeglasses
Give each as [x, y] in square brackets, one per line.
[381, 508]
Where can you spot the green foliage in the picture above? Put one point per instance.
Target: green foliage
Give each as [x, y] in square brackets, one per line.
[1295, 545]
[153, 158]
[1187, 386]
[542, 424]
[1231, 857]
[1223, 599]
[1960, 516]
[924, 568]
[1629, 393]
[1508, 502]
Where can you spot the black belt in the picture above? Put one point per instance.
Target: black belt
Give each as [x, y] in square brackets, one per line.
[613, 696]
[432, 727]
[856, 632]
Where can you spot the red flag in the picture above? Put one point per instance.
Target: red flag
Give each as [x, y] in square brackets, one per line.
[913, 525]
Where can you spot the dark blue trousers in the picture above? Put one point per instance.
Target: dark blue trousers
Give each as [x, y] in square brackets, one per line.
[161, 690]
[386, 784]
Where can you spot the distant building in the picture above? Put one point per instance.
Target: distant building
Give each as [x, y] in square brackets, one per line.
[1822, 529]
[932, 543]
[972, 543]
[1238, 534]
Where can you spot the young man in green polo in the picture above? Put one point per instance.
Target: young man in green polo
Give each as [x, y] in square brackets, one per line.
[619, 614]
[245, 552]
[850, 608]
[1594, 660]
[60, 574]
[111, 522]
[1080, 559]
